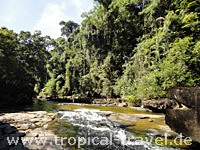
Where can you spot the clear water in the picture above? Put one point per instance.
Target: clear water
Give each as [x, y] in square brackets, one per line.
[100, 133]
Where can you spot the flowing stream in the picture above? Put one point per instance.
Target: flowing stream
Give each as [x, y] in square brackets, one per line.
[95, 131]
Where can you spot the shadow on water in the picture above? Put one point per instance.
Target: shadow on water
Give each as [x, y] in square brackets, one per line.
[37, 105]
[41, 105]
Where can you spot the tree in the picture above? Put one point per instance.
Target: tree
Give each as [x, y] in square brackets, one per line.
[165, 55]
[33, 54]
[68, 27]
[15, 82]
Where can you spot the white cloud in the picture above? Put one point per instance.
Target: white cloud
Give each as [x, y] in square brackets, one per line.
[49, 21]
[55, 12]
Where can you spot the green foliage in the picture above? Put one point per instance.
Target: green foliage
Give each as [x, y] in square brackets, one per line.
[127, 48]
[22, 63]
[133, 100]
[167, 55]
[68, 27]
[123, 48]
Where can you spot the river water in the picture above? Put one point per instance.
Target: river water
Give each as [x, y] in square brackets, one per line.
[95, 131]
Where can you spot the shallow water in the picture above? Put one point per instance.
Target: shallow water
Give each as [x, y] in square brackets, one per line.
[92, 124]
[100, 133]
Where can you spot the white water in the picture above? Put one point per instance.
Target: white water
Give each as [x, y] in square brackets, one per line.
[92, 124]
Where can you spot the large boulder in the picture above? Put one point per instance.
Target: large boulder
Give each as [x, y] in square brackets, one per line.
[185, 119]
[159, 105]
[184, 95]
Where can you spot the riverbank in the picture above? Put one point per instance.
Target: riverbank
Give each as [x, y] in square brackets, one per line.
[14, 126]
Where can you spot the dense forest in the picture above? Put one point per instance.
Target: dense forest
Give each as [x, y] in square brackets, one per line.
[133, 49]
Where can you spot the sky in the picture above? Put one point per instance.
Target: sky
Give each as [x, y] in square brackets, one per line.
[43, 15]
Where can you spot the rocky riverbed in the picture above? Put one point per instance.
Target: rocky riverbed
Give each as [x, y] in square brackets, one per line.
[34, 124]
[26, 125]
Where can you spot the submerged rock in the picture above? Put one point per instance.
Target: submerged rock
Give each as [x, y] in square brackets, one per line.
[121, 124]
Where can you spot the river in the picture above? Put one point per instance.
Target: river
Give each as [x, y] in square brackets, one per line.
[96, 131]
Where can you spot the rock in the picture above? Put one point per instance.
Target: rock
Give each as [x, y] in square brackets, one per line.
[33, 124]
[3, 125]
[105, 113]
[35, 119]
[19, 146]
[45, 126]
[130, 118]
[28, 131]
[38, 124]
[45, 119]
[123, 104]
[122, 124]
[168, 130]
[183, 121]
[48, 135]
[141, 109]
[150, 120]
[185, 118]
[154, 132]
[38, 112]
[4, 144]
[32, 133]
[10, 132]
[110, 105]
[144, 117]
[82, 100]
[184, 95]
[25, 126]
[17, 134]
[159, 105]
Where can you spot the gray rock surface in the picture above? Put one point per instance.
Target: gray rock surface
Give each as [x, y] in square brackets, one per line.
[28, 125]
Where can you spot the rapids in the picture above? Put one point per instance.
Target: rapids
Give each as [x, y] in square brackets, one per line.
[95, 131]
